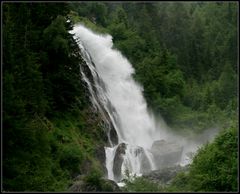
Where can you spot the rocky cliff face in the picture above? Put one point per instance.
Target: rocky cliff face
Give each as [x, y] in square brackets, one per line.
[93, 83]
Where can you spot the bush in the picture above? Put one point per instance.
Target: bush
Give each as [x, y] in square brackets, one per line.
[93, 180]
[141, 184]
[214, 168]
[71, 158]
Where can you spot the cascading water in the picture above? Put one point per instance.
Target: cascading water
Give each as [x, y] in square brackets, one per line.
[136, 145]
[118, 95]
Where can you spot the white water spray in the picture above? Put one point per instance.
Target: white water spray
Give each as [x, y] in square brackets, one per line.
[135, 125]
[120, 101]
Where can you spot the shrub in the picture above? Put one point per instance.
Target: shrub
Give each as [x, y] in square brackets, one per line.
[71, 158]
[93, 180]
[214, 167]
[141, 184]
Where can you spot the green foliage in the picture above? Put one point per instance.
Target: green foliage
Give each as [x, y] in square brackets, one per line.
[87, 22]
[43, 150]
[179, 182]
[54, 36]
[217, 162]
[214, 167]
[185, 56]
[29, 168]
[71, 158]
[227, 86]
[93, 179]
[181, 70]
[140, 184]
[95, 11]
[186, 60]
[95, 182]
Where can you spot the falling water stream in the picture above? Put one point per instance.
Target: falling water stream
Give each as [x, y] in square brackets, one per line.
[119, 99]
[132, 122]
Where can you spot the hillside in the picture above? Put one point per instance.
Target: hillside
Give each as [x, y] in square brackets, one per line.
[184, 56]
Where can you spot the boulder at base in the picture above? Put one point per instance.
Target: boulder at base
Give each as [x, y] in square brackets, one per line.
[144, 161]
[166, 154]
[118, 160]
[137, 153]
[100, 185]
[165, 175]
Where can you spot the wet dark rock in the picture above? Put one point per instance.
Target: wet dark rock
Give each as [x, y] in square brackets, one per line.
[81, 185]
[166, 154]
[109, 185]
[145, 164]
[101, 157]
[118, 160]
[87, 71]
[113, 136]
[107, 123]
[78, 186]
[165, 175]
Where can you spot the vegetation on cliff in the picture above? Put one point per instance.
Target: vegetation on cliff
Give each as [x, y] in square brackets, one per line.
[50, 134]
[184, 55]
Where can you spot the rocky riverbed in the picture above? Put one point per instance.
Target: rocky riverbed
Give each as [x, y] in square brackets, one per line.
[165, 175]
[83, 184]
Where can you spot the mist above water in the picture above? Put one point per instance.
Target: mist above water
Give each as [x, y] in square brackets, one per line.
[134, 123]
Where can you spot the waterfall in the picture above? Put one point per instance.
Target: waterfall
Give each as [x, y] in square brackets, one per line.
[119, 98]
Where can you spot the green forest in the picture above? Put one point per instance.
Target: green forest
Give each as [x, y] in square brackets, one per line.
[185, 55]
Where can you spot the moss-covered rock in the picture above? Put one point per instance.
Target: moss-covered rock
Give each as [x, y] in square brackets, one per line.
[93, 182]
